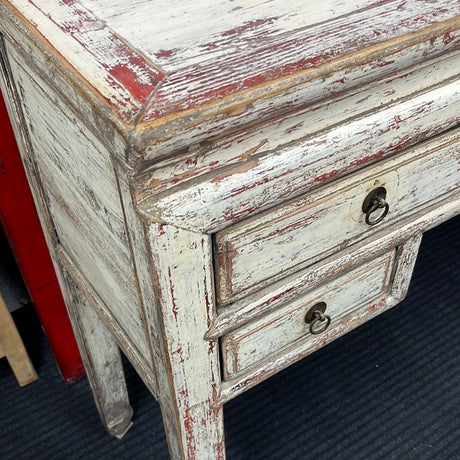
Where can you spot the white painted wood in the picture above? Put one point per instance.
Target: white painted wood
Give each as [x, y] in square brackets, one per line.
[216, 73]
[252, 142]
[148, 303]
[189, 371]
[141, 363]
[83, 200]
[143, 138]
[275, 333]
[254, 28]
[357, 317]
[278, 293]
[406, 256]
[274, 16]
[230, 195]
[102, 362]
[263, 249]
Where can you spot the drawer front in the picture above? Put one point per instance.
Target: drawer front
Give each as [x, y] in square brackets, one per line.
[279, 242]
[285, 328]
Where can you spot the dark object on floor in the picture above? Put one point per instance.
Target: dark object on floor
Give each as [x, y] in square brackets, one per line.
[388, 390]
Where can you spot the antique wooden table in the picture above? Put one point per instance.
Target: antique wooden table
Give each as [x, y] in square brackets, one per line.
[228, 186]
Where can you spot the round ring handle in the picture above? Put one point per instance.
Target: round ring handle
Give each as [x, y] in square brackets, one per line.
[319, 323]
[374, 201]
[378, 203]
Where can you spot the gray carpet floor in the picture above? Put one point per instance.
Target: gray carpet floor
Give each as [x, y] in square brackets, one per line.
[388, 390]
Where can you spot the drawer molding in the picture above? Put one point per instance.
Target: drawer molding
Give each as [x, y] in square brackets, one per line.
[286, 327]
[230, 195]
[405, 258]
[267, 299]
[292, 236]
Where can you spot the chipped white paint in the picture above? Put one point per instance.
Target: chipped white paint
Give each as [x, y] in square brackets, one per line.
[405, 258]
[164, 151]
[219, 60]
[252, 143]
[81, 194]
[227, 196]
[263, 249]
[283, 329]
[183, 272]
[289, 288]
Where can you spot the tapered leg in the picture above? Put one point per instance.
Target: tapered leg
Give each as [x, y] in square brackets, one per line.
[193, 433]
[187, 363]
[102, 361]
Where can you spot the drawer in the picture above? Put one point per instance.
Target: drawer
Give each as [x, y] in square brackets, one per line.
[292, 236]
[286, 328]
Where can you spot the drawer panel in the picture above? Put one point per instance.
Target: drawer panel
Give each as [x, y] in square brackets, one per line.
[279, 242]
[284, 328]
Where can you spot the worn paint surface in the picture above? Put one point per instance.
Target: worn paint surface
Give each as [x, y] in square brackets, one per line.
[403, 266]
[190, 377]
[168, 78]
[81, 194]
[20, 223]
[263, 249]
[250, 144]
[232, 194]
[164, 152]
[275, 333]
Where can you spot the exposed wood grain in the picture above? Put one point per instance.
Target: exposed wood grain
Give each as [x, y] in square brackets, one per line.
[65, 83]
[270, 298]
[123, 77]
[189, 373]
[212, 71]
[254, 376]
[275, 333]
[12, 348]
[254, 41]
[260, 250]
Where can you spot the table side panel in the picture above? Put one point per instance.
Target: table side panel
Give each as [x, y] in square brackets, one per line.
[80, 187]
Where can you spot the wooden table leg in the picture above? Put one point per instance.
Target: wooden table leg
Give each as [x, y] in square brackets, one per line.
[102, 360]
[12, 347]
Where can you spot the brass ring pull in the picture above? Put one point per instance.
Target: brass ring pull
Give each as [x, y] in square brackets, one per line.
[319, 323]
[317, 319]
[374, 201]
[378, 203]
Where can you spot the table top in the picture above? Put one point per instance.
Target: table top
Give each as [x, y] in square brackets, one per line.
[179, 62]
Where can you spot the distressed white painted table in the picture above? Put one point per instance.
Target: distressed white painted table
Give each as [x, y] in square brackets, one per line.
[228, 186]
